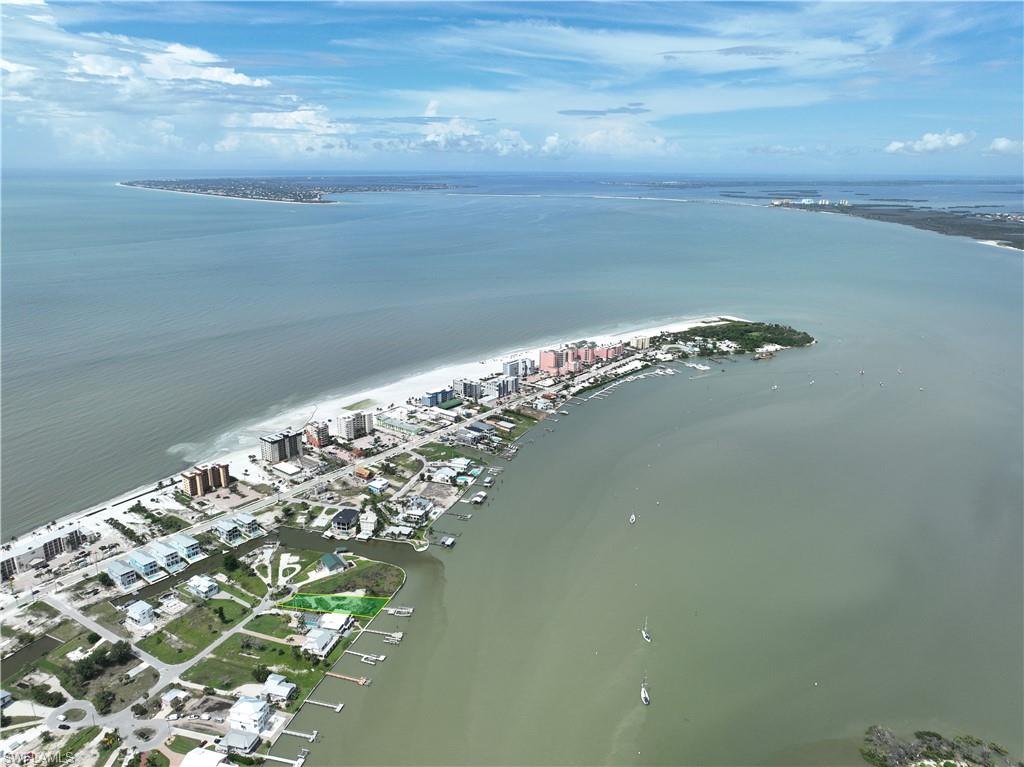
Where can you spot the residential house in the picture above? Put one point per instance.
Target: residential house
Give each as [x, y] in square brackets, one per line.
[247, 524]
[278, 688]
[345, 521]
[228, 531]
[249, 714]
[203, 586]
[320, 642]
[331, 563]
[186, 546]
[140, 613]
[168, 557]
[378, 486]
[124, 577]
[144, 563]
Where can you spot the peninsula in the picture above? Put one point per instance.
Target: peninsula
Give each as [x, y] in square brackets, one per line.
[203, 613]
[300, 189]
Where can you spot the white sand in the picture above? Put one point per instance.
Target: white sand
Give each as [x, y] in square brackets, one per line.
[998, 244]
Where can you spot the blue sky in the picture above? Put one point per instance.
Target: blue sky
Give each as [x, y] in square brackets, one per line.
[877, 88]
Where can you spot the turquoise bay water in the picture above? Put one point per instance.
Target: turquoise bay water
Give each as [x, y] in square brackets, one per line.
[864, 537]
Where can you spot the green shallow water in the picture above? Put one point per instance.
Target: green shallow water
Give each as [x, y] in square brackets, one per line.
[812, 560]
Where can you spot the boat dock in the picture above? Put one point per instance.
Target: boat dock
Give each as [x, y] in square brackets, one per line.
[361, 681]
[369, 658]
[282, 760]
[336, 706]
[296, 734]
[401, 612]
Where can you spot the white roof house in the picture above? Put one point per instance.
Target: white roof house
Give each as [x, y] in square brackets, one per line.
[278, 688]
[170, 696]
[250, 715]
[203, 586]
[201, 757]
[319, 642]
[140, 613]
[335, 621]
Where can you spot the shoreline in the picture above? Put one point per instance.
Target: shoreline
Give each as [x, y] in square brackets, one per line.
[224, 196]
[395, 390]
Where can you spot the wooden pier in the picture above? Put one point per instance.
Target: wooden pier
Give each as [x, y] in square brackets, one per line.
[361, 681]
[296, 734]
[366, 657]
[336, 706]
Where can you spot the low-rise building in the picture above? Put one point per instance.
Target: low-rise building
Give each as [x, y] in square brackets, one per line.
[140, 613]
[144, 563]
[345, 521]
[38, 548]
[331, 563]
[169, 697]
[398, 427]
[339, 622]
[124, 577]
[367, 522]
[249, 714]
[319, 642]
[203, 586]
[228, 531]
[186, 546]
[378, 486]
[434, 398]
[238, 742]
[202, 757]
[278, 688]
[247, 524]
[168, 557]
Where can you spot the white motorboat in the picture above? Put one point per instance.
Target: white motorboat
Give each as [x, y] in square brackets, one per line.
[632, 519]
[644, 632]
[645, 697]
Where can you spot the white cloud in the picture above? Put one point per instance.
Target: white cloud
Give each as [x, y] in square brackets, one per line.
[1003, 145]
[930, 142]
[181, 62]
[98, 65]
[431, 110]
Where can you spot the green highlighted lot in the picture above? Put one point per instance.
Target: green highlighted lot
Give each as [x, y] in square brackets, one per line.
[353, 604]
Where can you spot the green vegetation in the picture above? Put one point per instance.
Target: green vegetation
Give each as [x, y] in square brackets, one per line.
[108, 616]
[523, 424]
[179, 744]
[105, 580]
[232, 589]
[883, 749]
[363, 607]
[377, 579]
[126, 531]
[43, 609]
[110, 743]
[187, 634]
[75, 714]
[78, 741]
[156, 758]
[435, 451]
[747, 335]
[232, 665]
[271, 624]
[183, 498]
[360, 405]
[166, 523]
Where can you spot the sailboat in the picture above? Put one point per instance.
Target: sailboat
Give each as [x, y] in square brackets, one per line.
[644, 632]
[645, 697]
[632, 519]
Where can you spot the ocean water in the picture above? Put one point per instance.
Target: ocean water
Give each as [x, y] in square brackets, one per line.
[862, 536]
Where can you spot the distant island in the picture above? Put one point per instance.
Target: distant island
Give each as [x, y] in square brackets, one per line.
[732, 337]
[303, 189]
[884, 749]
[997, 228]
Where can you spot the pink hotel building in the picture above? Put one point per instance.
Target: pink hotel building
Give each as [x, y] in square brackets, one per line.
[573, 358]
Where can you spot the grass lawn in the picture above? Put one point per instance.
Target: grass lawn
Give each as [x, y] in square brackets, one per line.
[43, 609]
[107, 616]
[523, 424]
[78, 741]
[128, 692]
[361, 404]
[232, 665]
[435, 451]
[187, 634]
[250, 583]
[232, 589]
[75, 714]
[271, 624]
[379, 579]
[409, 462]
[110, 743]
[156, 758]
[68, 630]
[181, 745]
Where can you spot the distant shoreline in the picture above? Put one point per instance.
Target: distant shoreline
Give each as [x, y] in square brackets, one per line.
[226, 196]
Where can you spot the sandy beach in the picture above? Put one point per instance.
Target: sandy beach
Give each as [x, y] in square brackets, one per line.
[224, 196]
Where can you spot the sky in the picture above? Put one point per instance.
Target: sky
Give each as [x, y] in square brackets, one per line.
[787, 88]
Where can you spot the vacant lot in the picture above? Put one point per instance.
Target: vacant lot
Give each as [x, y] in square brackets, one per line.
[271, 624]
[186, 635]
[378, 579]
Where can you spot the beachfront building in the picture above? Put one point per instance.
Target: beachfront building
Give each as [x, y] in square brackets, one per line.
[37, 548]
[124, 577]
[319, 642]
[609, 351]
[318, 434]
[434, 398]
[140, 613]
[144, 563]
[278, 689]
[168, 557]
[203, 586]
[640, 343]
[186, 546]
[275, 448]
[345, 521]
[502, 386]
[398, 426]
[552, 361]
[227, 530]
[203, 478]
[247, 524]
[466, 388]
[521, 367]
[355, 425]
[249, 715]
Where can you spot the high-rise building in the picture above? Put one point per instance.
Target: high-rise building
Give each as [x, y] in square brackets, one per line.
[609, 351]
[318, 434]
[522, 367]
[641, 342]
[204, 478]
[354, 425]
[502, 386]
[552, 361]
[467, 388]
[281, 446]
[432, 398]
